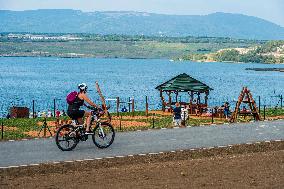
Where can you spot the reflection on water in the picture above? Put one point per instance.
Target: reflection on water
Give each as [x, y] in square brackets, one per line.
[43, 79]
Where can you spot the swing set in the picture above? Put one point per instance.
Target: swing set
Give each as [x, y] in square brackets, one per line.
[246, 98]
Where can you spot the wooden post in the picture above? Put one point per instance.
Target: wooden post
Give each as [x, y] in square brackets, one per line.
[132, 102]
[281, 101]
[259, 105]
[117, 106]
[153, 119]
[33, 108]
[163, 101]
[147, 106]
[191, 99]
[129, 104]
[54, 107]
[170, 99]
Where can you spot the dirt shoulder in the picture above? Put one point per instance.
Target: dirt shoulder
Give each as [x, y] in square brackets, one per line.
[241, 166]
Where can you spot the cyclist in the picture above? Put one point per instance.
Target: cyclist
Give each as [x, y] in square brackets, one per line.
[74, 111]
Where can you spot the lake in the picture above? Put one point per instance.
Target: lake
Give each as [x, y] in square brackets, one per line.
[24, 79]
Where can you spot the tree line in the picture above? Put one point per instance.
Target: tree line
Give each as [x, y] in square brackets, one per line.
[261, 54]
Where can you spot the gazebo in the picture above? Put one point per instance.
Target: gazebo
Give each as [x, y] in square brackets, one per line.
[183, 83]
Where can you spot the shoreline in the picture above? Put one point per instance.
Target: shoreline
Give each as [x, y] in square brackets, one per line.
[141, 58]
[67, 57]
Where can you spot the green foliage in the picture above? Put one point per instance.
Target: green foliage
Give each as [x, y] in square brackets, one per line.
[23, 124]
[274, 111]
[270, 46]
[251, 57]
[163, 122]
[195, 57]
[281, 59]
[255, 55]
[13, 135]
[227, 55]
[114, 46]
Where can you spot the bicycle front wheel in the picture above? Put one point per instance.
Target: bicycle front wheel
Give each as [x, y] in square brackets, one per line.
[103, 135]
[66, 139]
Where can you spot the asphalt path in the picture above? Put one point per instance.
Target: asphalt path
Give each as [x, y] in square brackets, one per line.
[38, 151]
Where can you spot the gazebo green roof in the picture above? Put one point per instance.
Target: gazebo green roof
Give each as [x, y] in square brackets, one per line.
[184, 82]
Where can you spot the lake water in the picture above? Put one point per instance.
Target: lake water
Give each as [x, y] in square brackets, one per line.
[24, 79]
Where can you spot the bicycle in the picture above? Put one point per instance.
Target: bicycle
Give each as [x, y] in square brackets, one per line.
[69, 135]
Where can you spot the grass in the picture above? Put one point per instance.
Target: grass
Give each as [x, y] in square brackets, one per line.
[114, 49]
[273, 112]
[22, 125]
[153, 121]
[13, 135]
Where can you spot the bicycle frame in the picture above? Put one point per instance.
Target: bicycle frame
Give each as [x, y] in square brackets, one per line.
[98, 122]
[102, 133]
[95, 119]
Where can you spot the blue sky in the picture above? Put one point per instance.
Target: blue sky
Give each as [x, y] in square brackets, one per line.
[271, 10]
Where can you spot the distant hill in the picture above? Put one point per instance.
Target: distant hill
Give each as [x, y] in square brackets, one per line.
[270, 52]
[138, 23]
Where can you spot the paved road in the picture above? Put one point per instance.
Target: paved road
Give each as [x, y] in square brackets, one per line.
[45, 150]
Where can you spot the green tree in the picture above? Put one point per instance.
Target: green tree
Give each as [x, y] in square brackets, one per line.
[228, 55]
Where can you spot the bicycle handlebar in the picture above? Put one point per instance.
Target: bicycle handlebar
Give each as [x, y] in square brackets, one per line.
[96, 109]
[92, 108]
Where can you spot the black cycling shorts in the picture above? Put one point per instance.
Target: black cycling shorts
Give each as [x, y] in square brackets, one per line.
[75, 114]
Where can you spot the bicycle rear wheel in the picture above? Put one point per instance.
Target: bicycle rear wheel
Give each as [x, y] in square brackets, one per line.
[103, 135]
[66, 138]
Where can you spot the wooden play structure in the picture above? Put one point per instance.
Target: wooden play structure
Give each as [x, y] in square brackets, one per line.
[104, 106]
[183, 83]
[246, 98]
